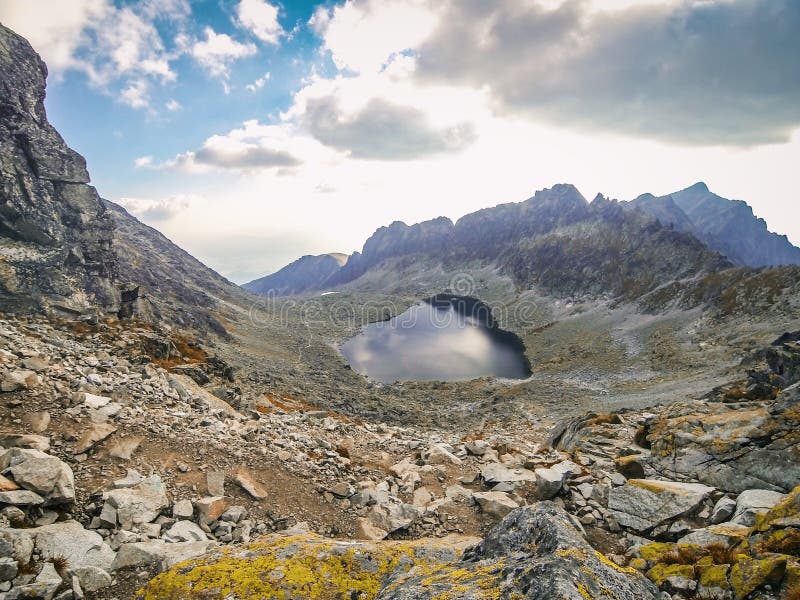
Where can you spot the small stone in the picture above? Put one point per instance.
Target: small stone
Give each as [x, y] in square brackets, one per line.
[8, 569]
[19, 380]
[723, 510]
[496, 504]
[215, 483]
[183, 509]
[21, 498]
[95, 402]
[249, 484]
[95, 434]
[342, 490]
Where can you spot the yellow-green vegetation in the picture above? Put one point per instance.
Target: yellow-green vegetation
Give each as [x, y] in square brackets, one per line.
[302, 566]
[661, 572]
[749, 574]
[766, 554]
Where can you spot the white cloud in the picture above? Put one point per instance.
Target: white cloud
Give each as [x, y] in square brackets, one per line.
[217, 51]
[251, 148]
[261, 19]
[362, 35]
[163, 209]
[143, 162]
[54, 29]
[173, 105]
[259, 83]
[135, 94]
[119, 49]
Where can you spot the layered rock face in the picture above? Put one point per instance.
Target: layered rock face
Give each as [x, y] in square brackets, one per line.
[55, 234]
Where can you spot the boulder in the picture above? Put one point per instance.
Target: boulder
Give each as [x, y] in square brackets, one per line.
[19, 380]
[91, 579]
[754, 502]
[211, 508]
[301, 565]
[46, 475]
[33, 442]
[438, 454]
[8, 568]
[535, 553]
[215, 483]
[185, 531]
[731, 449]
[21, 498]
[183, 509]
[548, 483]
[643, 504]
[157, 554]
[95, 434]
[68, 539]
[250, 485]
[139, 504]
[17, 544]
[495, 504]
[497, 473]
[723, 510]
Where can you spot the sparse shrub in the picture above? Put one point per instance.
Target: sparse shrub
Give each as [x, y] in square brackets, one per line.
[793, 593]
[785, 544]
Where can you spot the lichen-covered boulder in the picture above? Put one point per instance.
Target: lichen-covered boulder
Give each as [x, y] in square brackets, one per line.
[301, 566]
[731, 448]
[535, 553]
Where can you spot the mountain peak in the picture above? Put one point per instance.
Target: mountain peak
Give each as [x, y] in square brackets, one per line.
[700, 186]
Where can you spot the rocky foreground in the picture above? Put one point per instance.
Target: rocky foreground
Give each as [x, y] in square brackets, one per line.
[121, 460]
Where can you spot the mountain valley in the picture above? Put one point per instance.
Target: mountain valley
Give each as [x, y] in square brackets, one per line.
[165, 433]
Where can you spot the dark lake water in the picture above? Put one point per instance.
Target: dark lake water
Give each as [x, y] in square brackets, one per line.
[444, 338]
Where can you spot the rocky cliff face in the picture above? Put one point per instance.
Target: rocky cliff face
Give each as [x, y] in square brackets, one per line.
[727, 226]
[55, 234]
[306, 273]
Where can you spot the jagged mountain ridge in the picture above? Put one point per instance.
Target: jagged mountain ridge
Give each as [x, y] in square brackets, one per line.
[556, 239]
[306, 273]
[728, 226]
[63, 249]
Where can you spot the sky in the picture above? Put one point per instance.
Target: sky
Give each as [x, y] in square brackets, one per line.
[251, 132]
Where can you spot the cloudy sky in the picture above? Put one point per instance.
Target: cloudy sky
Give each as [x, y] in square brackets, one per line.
[254, 131]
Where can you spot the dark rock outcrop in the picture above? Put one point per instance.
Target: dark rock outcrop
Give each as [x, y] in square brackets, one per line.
[306, 273]
[55, 233]
[535, 553]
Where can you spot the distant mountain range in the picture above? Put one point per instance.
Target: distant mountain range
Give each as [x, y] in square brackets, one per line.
[727, 226]
[559, 241]
[304, 274]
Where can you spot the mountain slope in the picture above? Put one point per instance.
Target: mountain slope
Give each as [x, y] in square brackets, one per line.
[306, 273]
[160, 281]
[556, 240]
[728, 226]
[62, 248]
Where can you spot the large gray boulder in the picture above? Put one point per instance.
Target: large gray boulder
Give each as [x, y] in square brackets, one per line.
[38, 472]
[158, 554]
[535, 553]
[139, 504]
[644, 504]
[81, 547]
[733, 449]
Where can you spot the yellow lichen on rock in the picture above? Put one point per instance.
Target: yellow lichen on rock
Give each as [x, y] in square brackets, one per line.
[749, 574]
[304, 566]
